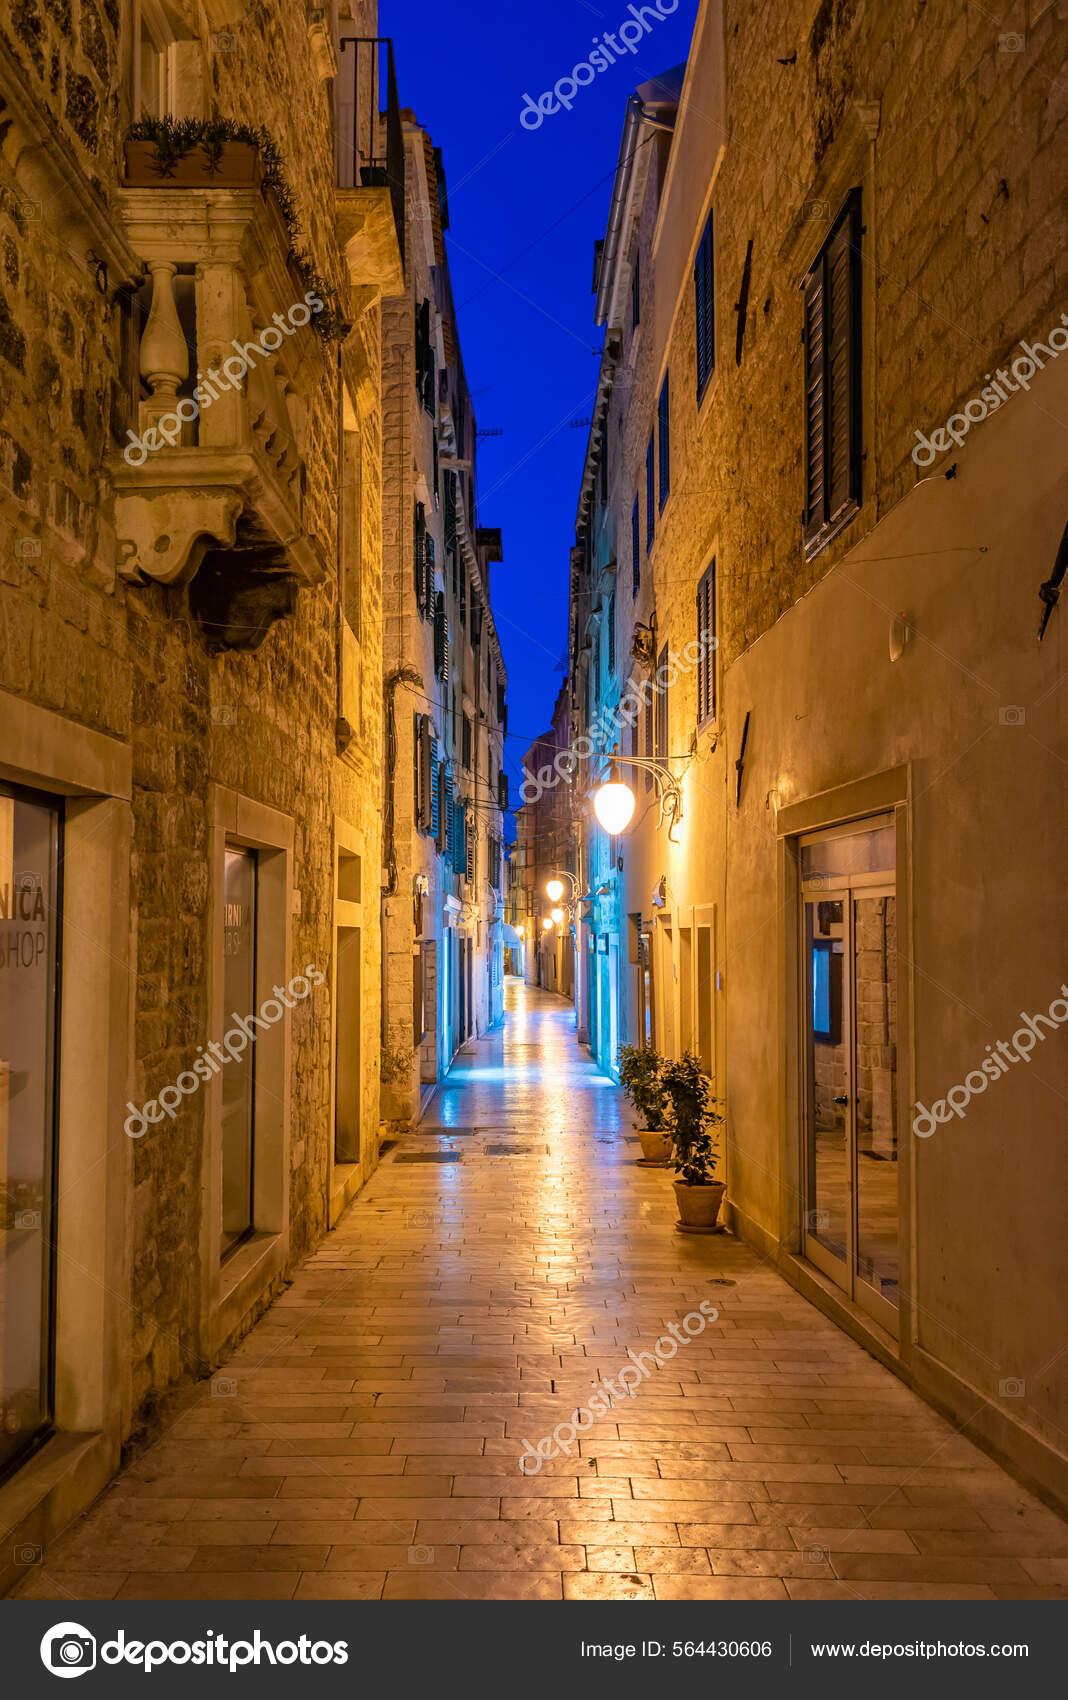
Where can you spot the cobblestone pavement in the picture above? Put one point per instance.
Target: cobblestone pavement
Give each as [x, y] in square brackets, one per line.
[364, 1441]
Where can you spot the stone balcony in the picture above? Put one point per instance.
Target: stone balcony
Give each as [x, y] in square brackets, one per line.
[213, 477]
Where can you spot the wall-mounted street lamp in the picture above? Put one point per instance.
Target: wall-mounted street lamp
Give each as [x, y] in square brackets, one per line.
[558, 916]
[547, 923]
[554, 888]
[614, 800]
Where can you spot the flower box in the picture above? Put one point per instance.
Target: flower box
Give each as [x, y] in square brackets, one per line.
[236, 165]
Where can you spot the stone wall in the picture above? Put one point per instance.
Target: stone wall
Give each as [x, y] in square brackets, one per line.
[130, 660]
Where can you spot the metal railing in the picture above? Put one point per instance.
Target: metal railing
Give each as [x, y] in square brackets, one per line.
[370, 139]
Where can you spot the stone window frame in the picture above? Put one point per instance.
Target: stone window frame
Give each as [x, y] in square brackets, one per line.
[94, 1315]
[885, 793]
[232, 1289]
[850, 163]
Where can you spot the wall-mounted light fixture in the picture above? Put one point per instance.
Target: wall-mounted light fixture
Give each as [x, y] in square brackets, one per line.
[614, 800]
[554, 888]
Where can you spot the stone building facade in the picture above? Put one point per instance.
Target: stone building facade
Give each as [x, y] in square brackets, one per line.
[190, 694]
[546, 851]
[816, 611]
[445, 681]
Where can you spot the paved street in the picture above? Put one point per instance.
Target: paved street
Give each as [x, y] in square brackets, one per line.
[363, 1443]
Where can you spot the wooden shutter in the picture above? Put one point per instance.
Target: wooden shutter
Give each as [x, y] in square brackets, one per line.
[428, 572]
[661, 751]
[441, 816]
[419, 555]
[426, 771]
[842, 366]
[441, 638]
[706, 633]
[704, 307]
[814, 403]
[469, 845]
[435, 791]
[664, 440]
[832, 380]
[635, 549]
[650, 493]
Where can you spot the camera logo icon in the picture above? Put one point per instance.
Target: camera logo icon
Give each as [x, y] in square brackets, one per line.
[1012, 715]
[68, 1650]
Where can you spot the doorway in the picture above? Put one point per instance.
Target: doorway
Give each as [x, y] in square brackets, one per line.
[850, 1227]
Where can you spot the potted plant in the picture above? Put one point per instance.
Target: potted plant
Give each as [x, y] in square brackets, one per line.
[184, 153]
[641, 1077]
[694, 1121]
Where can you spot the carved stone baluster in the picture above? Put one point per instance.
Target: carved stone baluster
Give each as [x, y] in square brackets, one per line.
[221, 317]
[164, 354]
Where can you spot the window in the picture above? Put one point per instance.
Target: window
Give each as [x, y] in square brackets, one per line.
[704, 298]
[635, 549]
[29, 959]
[832, 381]
[425, 770]
[650, 492]
[465, 756]
[239, 1077]
[153, 61]
[611, 634]
[706, 638]
[441, 638]
[425, 365]
[662, 750]
[635, 293]
[663, 412]
[419, 555]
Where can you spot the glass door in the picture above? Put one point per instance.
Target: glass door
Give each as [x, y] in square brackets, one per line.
[29, 992]
[849, 1058]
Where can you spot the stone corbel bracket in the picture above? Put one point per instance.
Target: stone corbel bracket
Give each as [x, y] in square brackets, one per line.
[162, 534]
[168, 513]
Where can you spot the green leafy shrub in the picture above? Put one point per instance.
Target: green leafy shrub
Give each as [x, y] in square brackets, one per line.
[693, 1120]
[641, 1077]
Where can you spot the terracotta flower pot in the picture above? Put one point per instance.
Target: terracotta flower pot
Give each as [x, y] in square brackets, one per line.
[699, 1205]
[656, 1145]
[237, 167]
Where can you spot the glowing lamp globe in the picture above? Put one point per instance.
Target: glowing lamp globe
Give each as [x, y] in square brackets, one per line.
[613, 804]
[558, 916]
[554, 889]
[547, 923]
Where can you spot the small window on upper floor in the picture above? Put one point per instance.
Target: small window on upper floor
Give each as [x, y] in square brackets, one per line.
[704, 295]
[832, 307]
[153, 61]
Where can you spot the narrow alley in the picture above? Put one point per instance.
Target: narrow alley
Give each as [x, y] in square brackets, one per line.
[364, 1440]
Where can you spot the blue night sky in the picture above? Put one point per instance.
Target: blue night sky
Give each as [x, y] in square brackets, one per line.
[525, 207]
